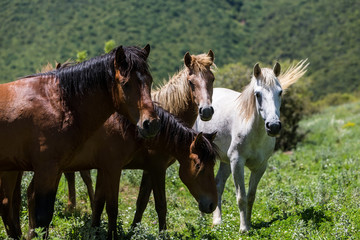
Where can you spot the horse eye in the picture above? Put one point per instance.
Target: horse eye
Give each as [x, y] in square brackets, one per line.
[258, 95]
[125, 84]
[192, 85]
[280, 93]
[197, 166]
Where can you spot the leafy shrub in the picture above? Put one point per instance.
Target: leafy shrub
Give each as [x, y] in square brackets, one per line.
[293, 109]
[109, 45]
[335, 99]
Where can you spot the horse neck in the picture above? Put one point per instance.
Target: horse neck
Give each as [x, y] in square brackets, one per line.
[175, 97]
[179, 151]
[173, 138]
[91, 110]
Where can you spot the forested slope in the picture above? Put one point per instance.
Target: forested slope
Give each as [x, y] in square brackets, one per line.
[33, 33]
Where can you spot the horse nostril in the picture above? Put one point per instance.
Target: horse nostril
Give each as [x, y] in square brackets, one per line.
[212, 110]
[211, 206]
[146, 124]
[200, 110]
[267, 124]
[279, 125]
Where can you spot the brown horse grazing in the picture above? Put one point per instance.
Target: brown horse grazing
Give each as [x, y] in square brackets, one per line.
[46, 118]
[187, 94]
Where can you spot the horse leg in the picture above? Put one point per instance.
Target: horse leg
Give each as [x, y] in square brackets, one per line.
[254, 181]
[99, 199]
[17, 203]
[221, 178]
[237, 164]
[112, 196]
[86, 176]
[143, 198]
[45, 187]
[31, 208]
[158, 182]
[70, 177]
[8, 196]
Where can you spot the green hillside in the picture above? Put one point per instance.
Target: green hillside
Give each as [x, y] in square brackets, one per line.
[35, 32]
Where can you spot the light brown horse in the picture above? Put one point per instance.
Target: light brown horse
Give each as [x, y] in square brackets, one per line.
[46, 118]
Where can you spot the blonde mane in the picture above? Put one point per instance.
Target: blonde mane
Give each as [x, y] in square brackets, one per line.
[246, 104]
[174, 95]
[292, 74]
[49, 67]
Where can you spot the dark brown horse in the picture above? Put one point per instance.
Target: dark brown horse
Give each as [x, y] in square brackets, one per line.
[187, 94]
[46, 118]
[196, 154]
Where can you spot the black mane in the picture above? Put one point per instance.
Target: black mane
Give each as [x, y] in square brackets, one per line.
[175, 132]
[97, 72]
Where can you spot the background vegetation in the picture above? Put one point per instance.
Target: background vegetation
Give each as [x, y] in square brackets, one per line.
[35, 32]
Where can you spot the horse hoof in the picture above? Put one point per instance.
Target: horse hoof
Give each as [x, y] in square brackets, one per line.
[244, 229]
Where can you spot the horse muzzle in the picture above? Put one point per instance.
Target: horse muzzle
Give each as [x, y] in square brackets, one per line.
[206, 113]
[206, 205]
[149, 128]
[273, 128]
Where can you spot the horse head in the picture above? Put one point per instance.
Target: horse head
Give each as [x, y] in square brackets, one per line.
[197, 172]
[201, 79]
[267, 91]
[131, 91]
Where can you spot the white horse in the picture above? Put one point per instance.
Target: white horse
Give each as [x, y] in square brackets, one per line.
[246, 125]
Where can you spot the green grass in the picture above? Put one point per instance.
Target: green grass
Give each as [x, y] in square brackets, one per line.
[312, 192]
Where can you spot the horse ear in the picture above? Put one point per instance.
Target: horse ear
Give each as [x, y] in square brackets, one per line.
[187, 59]
[120, 58]
[210, 136]
[277, 69]
[147, 50]
[257, 70]
[58, 65]
[211, 55]
[198, 138]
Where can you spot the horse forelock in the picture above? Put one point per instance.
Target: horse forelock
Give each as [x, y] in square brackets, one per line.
[201, 63]
[267, 77]
[209, 150]
[135, 58]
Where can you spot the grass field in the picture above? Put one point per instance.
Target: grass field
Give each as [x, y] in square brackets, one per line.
[312, 192]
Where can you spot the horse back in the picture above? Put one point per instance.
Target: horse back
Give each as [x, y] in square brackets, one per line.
[29, 113]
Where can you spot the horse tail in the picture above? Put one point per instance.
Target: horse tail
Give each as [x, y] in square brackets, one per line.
[293, 73]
